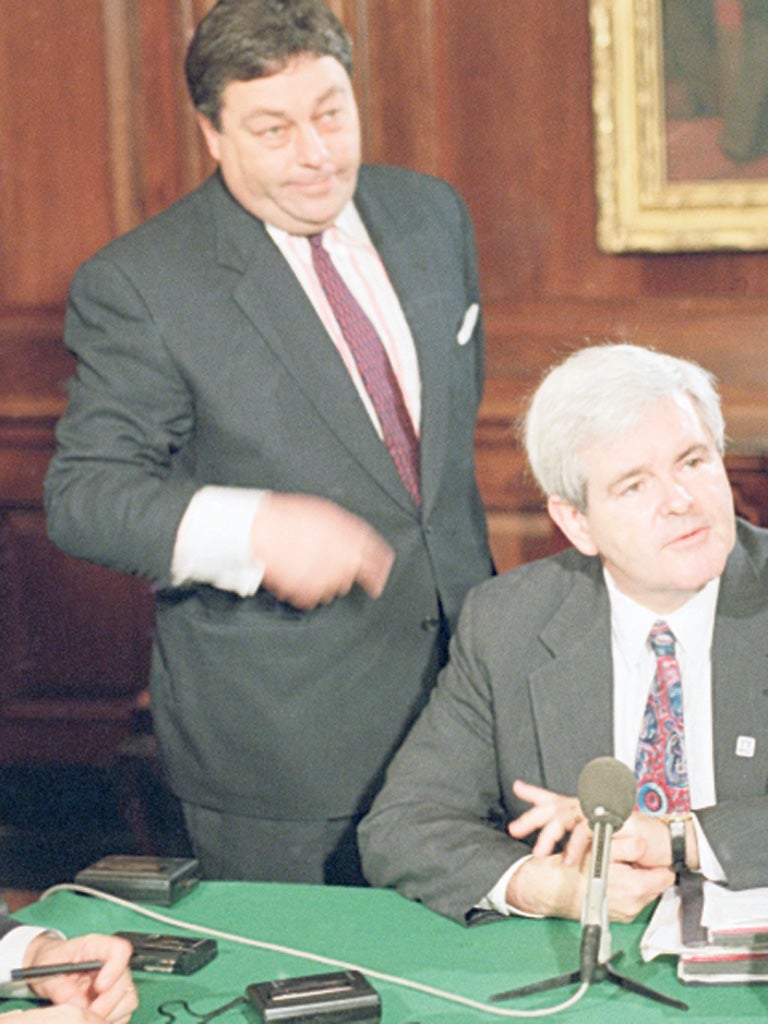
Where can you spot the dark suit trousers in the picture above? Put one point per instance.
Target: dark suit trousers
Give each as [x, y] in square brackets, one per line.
[235, 847]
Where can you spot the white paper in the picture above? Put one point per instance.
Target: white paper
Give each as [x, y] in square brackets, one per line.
[723, 909]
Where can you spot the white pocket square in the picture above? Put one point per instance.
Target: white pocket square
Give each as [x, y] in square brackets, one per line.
[468, 324]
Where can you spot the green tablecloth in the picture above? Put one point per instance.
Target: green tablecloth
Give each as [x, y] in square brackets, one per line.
[380, 931]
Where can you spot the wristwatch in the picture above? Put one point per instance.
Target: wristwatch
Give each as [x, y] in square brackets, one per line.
[677, 825]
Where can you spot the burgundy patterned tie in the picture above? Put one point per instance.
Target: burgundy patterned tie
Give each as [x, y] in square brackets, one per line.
[374, 367]
[660, 768]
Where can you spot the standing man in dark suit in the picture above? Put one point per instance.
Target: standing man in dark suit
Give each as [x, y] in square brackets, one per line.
[312, 524]
[106, 996]
[552, 666]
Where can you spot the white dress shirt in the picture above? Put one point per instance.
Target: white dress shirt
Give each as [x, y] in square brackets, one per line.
[213, 540]
[634, 667]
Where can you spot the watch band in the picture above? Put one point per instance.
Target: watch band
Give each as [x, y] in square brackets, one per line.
[677, 840]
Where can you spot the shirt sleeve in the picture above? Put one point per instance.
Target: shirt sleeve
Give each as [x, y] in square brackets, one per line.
[213, 541]
[13, 946]
[497, 897]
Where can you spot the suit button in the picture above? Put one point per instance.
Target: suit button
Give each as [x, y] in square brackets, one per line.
[430, 625]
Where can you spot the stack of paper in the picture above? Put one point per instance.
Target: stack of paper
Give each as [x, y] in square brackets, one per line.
[731, 945]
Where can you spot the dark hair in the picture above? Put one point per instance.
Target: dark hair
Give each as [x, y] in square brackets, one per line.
[239, 40]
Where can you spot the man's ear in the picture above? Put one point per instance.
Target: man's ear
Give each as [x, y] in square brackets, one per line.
[210, 134]
[573, 524]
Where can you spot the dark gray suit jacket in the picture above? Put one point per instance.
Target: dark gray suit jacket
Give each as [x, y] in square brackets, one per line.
[528, 694]
[201, 361]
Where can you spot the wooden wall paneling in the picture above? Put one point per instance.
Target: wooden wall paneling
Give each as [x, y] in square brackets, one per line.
[514, 82]
[82, 632]
[74, 638]
[749, 482]
[96, 133]
[174, 157]
[120, 87]
[396, 68]
[55, 198]
[496, 97]
[158, 153]
[729, 340]
[74, 645]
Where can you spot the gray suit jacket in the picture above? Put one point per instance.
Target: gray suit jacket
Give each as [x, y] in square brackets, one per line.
[528, 694]
[201, 361]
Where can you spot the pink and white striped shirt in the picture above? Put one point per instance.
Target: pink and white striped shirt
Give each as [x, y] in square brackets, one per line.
[360, 265]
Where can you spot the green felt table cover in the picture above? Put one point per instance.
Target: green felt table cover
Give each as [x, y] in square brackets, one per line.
[384, 934]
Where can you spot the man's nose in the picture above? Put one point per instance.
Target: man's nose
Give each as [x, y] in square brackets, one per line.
[677, 496]
[311, 148]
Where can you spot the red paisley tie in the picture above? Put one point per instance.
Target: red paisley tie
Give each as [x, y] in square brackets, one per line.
[374, 367]
[660, 767]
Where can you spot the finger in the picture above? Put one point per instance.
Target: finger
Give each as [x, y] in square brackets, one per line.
[553, 821]
[70, 989]
[578, 844]
[548, 839]
[552, 833]
[115, 971]
[376, 560]
[528, 822]
[630, 889]
[530, 793]
[629, 849]
[117, 1003]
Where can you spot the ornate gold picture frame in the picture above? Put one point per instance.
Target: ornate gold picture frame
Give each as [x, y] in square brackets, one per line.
[679, 169]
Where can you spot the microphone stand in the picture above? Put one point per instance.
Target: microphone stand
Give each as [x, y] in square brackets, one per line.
[603, 971]
[596, 957]
[596, 960]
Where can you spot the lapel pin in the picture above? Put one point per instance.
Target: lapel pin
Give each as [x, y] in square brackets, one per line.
[745, 746]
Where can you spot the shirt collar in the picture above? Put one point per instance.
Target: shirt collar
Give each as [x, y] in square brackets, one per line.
[692, 624]
[348, 228]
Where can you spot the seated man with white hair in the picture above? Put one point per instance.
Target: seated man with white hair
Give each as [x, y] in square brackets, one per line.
[644, 641]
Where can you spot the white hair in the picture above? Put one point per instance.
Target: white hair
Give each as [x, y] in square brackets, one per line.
[600, 392]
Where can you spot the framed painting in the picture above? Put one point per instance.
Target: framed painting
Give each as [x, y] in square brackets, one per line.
[680, 104]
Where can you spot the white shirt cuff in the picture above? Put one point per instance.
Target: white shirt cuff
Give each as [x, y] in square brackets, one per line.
[13, 946]
[213, 541]
[497, 897]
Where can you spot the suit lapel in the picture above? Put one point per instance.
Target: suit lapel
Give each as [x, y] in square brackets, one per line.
[576, 687]
[740, 681]
[572, 695]
[405, 248]
[276, 305]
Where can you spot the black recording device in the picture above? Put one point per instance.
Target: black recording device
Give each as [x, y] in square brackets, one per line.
[161, 880]
[341, 997]
[169, 954]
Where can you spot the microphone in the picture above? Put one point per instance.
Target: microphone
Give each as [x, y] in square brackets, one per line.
[606, 792]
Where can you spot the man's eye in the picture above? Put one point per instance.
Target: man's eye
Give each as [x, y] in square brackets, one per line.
[633, 487]
[273, 131]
